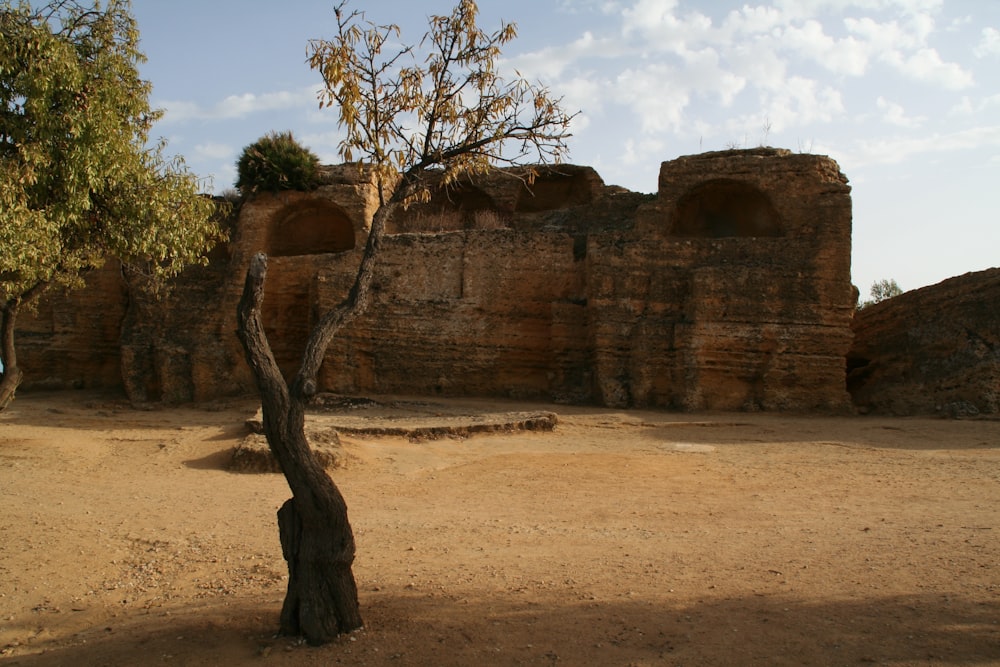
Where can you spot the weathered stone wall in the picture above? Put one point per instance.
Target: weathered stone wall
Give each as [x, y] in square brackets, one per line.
[935, 350]
[729, 289]
[735, 291]
[72, 340]
[465, 313]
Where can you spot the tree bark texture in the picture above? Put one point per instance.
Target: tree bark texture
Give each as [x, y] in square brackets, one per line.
[316, 537]
[11, 376]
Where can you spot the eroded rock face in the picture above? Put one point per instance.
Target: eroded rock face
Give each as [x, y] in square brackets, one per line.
[728, 289]
[934, 350]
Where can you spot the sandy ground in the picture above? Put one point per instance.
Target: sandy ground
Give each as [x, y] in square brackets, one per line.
[621, 538]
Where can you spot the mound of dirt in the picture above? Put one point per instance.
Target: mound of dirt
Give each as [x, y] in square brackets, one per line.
[253, 455]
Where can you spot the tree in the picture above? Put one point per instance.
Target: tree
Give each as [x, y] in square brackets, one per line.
[880, 291]
[438, 107]
[78, 182]
[276, 162]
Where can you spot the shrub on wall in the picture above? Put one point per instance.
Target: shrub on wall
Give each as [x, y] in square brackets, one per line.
[880, 291]
[276, 162]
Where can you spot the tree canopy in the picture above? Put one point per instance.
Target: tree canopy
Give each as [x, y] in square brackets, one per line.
[440, 104]
[79, 181]
[276, 162]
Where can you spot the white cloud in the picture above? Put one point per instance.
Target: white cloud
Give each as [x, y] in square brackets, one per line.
[989, 44]
[704, 74]
[666, 61]
[921, 26]
[584, 93]
[904, 46]
[958, 23]
[178, 110]
[659, 93]
[655, 20]
[752, 20]
[841, 56]
[646, 151]
[224, 177]
[214, 151]
[755, 47]
[239, 106]
[758, 63]
[895, 115]
[659, 105]
[580, 122]
[887, 36]
[236, 106]
[926, 66]
[552, 62]
[899, 149]
[966, 107]
[813, 7]
[326, 145]
[644, 15]
[801, 102]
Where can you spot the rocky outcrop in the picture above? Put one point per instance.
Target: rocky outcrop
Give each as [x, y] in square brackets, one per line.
[728, 289]
[934, 350]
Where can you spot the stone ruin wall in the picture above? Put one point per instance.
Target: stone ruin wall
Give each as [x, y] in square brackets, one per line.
[933, 350]
[72, 340]
[729, 289]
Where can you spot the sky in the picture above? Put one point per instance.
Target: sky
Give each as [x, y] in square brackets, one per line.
[903, 94]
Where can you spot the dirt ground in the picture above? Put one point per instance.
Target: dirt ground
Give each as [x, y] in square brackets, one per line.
[619, 538]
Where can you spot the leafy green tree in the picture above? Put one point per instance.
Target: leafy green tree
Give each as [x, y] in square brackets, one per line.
[276, 162]
[440, 107]
[880, 291]
[78, 182]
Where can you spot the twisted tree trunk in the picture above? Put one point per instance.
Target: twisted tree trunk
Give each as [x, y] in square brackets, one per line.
[316, 536]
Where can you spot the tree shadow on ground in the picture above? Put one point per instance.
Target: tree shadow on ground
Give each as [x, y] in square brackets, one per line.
[412, 627]
[217, 460]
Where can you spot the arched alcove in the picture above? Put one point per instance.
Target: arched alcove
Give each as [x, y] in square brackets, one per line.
[459, 207]
[554, 190]
[726, 208]
[311, 228]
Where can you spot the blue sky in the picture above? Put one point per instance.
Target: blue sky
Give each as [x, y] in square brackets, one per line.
[904, 94]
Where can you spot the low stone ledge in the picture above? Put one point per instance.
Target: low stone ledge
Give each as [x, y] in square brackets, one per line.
[418, 421]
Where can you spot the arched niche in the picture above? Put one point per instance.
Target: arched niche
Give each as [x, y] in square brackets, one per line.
[553, 190]
[457, 208]
[726, 208]
[311, 228]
